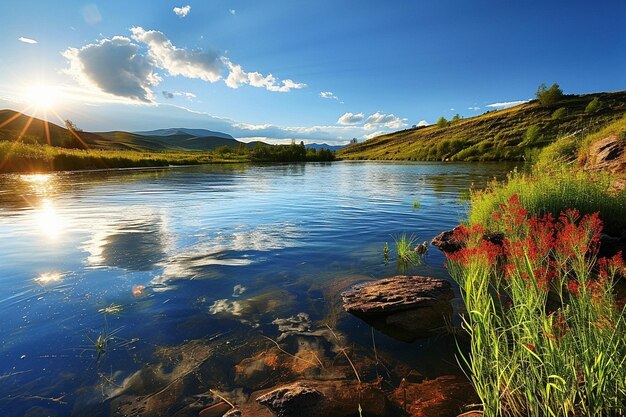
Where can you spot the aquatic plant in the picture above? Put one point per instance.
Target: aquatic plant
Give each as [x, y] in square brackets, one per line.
[416, 204]
[404, 244]
[386, 252]
[547, 336]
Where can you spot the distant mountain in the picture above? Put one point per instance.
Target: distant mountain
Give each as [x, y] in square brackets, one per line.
[184, 131]
[318, 146]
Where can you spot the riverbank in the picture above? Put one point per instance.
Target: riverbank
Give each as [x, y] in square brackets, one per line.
[35, 158]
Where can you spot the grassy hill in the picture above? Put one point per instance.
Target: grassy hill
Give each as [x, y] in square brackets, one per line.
[36, 131]
[509, 134]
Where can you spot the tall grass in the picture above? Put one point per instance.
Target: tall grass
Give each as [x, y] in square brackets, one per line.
[404, 248]
[547, 337]
[553, 193]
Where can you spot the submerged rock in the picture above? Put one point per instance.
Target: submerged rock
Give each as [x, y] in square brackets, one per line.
[445, 396]
[328, 399]
[404, 307]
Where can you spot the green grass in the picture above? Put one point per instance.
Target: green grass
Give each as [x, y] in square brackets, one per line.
[495, 135]
[404, 248]
[553, 193]
[22, 157]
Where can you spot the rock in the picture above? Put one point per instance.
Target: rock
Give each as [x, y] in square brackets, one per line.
[216, 410]
[403, 307]
[607, 154]
[445, 396]
[297, 400]
[447, 242]
[235, 412]
[333, 398]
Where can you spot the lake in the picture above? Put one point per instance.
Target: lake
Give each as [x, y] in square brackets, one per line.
[106, 275]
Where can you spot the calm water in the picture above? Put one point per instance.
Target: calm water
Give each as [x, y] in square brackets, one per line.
[152, 259]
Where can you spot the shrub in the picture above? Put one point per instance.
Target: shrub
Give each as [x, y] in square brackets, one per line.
[559, 113]
[442, 122]
[549, 96]
[593, 106]
[533, 135]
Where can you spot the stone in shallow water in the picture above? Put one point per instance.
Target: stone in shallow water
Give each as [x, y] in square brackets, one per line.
[333, 398]
[404, 307]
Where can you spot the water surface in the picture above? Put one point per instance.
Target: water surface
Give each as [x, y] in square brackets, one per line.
[154, 258]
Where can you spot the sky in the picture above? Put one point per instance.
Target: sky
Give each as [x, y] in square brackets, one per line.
[318, 71]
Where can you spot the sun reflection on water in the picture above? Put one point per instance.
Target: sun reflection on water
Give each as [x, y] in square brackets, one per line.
[51, 224]
[48, 278]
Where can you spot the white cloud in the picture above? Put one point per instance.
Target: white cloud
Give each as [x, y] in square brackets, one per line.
[182, 11]
[27, 40]
[328, 95]
[172, 94]
[351, 118]
[237, 77]
[117, 66]
[205, 65]
[113, 66]
[423, 123]
[379, 119]
[232, 11]
[505, 104]
[374, 134]
[474, 108]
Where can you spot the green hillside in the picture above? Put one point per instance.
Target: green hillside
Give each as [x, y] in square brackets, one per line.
[508, 134]
[15, 125]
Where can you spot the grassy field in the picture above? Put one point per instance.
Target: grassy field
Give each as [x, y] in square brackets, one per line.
[516, 133]
[21, 157]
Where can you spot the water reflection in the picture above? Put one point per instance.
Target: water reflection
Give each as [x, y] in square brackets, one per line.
[48, 278]
[51, 223]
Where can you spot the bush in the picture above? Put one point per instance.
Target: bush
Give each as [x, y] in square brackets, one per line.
[549, 96]
[593, 106]
[559, 113]
[533, 135]
[442, 122]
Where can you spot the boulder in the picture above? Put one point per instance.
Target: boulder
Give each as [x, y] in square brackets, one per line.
[296, 400]
[404, 307]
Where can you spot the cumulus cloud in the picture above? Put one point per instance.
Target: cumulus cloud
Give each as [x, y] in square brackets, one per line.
[205, 65]
[423, 123]
[118, 66]
[351, 118]
[172, 94]
[237, 76]
[329, 95]
[114, 66]
[182, 11]
[506, 104]
[27, 40]
[374, 134]
[379, 119]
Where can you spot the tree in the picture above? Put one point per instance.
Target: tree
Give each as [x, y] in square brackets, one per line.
[549, 96]
[71, 138]
[455, 119]
[353, 141]
[442, 122]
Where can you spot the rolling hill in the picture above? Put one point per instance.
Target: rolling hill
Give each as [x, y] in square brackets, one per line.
[33, 130]
[508, 134]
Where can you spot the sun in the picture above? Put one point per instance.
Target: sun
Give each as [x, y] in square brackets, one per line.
[41, 96]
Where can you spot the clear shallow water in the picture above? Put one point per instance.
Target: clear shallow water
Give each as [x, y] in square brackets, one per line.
[156, 258]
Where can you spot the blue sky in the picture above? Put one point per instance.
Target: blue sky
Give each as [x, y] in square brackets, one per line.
[316, 70]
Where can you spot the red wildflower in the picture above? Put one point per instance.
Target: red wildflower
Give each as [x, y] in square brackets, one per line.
[609, 268]
[572, 287]
[511, 213]
[530, 347]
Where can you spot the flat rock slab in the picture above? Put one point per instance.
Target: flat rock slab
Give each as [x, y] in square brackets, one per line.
[404, 307]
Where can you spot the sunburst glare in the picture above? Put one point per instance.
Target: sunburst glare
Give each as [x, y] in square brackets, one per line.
[41, 96]
[48, 278]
